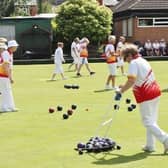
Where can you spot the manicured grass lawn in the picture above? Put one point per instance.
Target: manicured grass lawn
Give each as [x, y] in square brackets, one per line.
[33, 138]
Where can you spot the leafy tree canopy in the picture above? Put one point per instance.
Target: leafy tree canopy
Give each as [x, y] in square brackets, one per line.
[6, 7]
[83, 18]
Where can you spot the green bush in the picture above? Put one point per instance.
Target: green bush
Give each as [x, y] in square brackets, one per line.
[83, 18]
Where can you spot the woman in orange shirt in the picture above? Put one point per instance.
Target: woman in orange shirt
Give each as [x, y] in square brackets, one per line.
[111, 61]
[83, 56]
[6, 78]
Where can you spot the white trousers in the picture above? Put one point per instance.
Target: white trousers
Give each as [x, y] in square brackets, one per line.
[149, 114]
[7, 101]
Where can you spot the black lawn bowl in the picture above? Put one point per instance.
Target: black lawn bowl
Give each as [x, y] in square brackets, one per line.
[116, 107]
[130, 109]
[81, 145]
[75, 86]
[128, 101]
[118, 147]
[65, 116]
[59, 108]
[133, 106]
[73, 106]
[67, 86]
[80, 152]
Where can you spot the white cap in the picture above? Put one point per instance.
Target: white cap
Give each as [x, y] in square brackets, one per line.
[12, 43]
[3, 46]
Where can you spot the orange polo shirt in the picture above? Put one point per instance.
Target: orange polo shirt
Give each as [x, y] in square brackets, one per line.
[83, 50]
[5, 57]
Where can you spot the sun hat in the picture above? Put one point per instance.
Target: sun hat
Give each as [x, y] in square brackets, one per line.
[3, 40]
[3, 46]
[12, 43]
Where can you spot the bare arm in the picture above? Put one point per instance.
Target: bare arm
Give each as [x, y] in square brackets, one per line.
[129, 83]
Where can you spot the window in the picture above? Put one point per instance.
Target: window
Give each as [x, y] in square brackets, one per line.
[7, 31]
[161, 22]
[127, 27]
[145, 22]
[153, 22]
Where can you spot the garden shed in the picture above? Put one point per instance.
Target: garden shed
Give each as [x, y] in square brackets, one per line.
[34, 35]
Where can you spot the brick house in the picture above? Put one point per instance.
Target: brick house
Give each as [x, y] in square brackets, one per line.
[109, 3]
[139, 20]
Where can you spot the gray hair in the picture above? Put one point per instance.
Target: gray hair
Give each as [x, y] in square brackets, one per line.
[129, 49]
[111, 38]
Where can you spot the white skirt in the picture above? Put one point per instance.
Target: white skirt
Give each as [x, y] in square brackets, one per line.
[112, 68]
[120, 61]
[58, 69]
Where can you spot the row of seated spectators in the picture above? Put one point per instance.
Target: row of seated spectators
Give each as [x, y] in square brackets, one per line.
[156, 48]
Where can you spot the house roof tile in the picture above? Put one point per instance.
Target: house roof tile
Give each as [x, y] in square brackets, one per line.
[140, 5]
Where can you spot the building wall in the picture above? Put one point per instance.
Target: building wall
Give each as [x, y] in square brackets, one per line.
[141, 33]
[119, 32]
[117, 28]
[152, 33]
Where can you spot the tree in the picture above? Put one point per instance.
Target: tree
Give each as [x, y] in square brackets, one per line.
[6, 7]
[39, 5]
[21, 8]
[44, 6]
[83, 18]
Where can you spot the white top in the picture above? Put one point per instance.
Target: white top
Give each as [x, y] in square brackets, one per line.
[82, 45]
[145, 87]
[156, 45]
[58, 58]
[140, 69]
[119, 45]
[7, 58]
[163, 44]
[109, 48]
[74, 50]
[148, 45]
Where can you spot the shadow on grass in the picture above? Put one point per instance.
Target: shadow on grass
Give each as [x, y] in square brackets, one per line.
[50, 80]
[102, 90]
[56, 80]
[120, 159]
[5, 112]
[82, 76]
[70, 70]
[164, 90]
